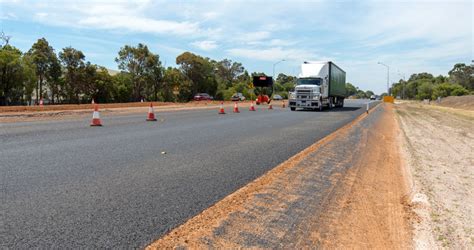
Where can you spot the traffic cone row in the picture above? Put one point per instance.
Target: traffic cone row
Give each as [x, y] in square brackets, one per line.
[151, 113]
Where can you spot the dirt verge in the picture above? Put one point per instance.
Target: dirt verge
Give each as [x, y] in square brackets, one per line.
[347, 190]
[439, 146]
[371, 208]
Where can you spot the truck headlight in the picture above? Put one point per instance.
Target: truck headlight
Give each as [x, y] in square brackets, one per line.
[292, 95]
[316, 97]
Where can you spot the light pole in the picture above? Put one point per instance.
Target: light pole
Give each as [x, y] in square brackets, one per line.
[273, 75]
[388, 76]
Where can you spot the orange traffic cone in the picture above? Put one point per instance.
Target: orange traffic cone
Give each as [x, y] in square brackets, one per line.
[96, 117]
[270, 106]
[252, 108]
[283, 104]
[236, 108]
[221, 110]
[151, 114]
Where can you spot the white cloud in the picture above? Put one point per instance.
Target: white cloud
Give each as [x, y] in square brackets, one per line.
[8, 16]
[139, 24]
[205, 45]
[253, 37]
[410, 36]
[273, 54]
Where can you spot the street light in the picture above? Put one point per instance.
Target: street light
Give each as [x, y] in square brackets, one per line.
[282, 60]
[388, 76]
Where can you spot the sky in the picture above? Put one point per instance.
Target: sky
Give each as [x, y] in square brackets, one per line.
[408, 36]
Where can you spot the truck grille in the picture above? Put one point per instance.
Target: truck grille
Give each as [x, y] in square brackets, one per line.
[303, 91]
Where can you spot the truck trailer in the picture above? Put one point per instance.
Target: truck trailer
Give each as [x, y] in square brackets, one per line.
[319, 85]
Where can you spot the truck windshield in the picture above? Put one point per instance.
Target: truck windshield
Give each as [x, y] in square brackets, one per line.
[308, 81]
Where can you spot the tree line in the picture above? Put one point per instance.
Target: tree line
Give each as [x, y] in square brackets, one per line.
[460, 81]
[66, 77]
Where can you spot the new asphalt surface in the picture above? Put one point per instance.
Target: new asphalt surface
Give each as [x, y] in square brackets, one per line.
[65, 184]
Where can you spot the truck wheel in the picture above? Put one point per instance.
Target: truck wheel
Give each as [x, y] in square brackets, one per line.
[293, 109]
[330, 105]
[320, 105]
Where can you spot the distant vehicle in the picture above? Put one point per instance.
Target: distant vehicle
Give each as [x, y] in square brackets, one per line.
[202, 97]
[319, 84]
[277, 97]
[373, 97]
[237, 97]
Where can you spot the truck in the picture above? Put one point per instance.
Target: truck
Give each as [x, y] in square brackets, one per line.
[319, 85]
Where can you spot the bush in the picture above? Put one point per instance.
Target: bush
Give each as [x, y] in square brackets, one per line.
[448, 89]
[459, 90]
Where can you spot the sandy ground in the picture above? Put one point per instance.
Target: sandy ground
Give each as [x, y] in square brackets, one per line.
[10, 114]
[331, 195]
[459, 102]
[439, 145]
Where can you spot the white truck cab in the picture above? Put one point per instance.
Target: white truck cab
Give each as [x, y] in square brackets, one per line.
[319, 84]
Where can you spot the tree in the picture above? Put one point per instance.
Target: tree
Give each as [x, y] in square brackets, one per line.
[97, 82]
[425, 90]
[463, 75]
[155, 80]
[43, 57]
[284, 79]
[73, 61]
[350, 89]
[123, 87]
[199, 71]
[141, 64]
[175, 81]
[361, 94]
[15, 73]
[229, 71]
[54, 78]
[421, 76]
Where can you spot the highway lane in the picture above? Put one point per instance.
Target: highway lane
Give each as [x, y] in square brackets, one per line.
[65, 184]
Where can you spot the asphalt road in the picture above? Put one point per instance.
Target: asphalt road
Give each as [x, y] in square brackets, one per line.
[65, 184]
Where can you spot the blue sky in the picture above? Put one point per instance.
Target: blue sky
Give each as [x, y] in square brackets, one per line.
[410, 37]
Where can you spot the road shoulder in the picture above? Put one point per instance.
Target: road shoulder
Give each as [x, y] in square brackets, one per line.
[329, 195]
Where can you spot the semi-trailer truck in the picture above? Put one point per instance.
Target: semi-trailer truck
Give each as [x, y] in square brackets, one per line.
[320, 84]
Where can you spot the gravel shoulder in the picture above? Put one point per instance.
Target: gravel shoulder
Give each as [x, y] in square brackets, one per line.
[438, 144]
[331, 195]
